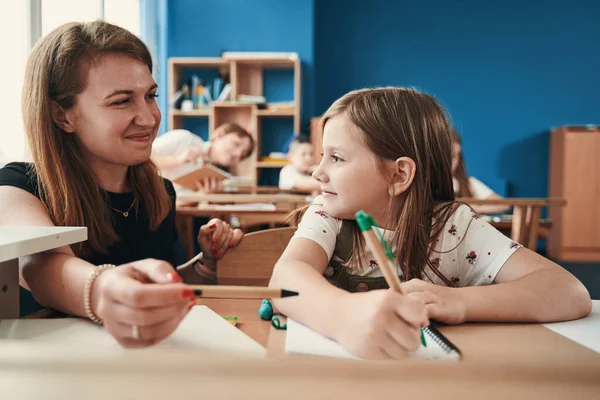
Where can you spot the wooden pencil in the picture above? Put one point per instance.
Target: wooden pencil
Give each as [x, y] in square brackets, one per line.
[384, 262]
[240, 292]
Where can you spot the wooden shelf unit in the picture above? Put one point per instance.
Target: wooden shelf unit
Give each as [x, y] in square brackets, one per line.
[246, 77]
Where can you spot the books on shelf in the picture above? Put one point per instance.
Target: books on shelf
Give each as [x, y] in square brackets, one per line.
[251, 99]
[224, 96]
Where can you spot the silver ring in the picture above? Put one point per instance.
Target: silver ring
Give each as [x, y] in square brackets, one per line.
[135, 332]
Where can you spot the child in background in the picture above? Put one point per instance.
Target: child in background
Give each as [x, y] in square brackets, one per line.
[231, 145]
[298, 174]
[470, 187]
[387, 152]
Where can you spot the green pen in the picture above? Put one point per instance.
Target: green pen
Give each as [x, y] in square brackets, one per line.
[382, 253]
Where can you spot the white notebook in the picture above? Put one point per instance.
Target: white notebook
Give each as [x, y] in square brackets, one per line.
[302, 340]
[202, 329]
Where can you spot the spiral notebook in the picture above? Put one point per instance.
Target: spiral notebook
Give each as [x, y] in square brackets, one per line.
[302, 340]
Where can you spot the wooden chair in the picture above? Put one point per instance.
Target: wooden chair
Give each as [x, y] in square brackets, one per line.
[251, 262]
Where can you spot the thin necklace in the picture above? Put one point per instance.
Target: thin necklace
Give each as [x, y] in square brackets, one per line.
[124, 213]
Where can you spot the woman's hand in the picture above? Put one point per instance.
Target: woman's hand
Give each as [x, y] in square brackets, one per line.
[443, 304]
[381, 324]
[147, 294]
[215, 238]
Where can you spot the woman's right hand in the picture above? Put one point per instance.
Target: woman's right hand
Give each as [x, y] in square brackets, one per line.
[147, 293]
[381, 324]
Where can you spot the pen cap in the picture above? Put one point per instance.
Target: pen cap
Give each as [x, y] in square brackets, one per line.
[365, 221]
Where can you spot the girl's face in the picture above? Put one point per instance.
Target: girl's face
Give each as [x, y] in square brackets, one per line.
[115, 117]
[456, 148]
[349, 174]
[229, 149]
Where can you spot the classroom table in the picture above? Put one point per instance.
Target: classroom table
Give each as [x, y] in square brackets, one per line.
[500, 361]
[526, 216]
[21, 241]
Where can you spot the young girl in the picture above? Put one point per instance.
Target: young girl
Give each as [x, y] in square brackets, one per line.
[387, 151]
[231, 144]
[465, 186]
[90, 116]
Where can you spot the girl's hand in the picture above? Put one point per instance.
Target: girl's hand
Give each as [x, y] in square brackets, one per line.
[215, 238]
[208, 185]
[443, 303]
[381, 324]
[147, 294]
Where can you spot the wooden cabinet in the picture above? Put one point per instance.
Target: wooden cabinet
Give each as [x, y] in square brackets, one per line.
[246, 73]
[575, 177]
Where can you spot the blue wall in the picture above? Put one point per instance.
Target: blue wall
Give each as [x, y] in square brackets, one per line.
[209, 27]
[507, 71]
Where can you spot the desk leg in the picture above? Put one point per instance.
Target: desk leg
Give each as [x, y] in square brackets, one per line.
[533, 216]
[518, 224]
[9, 289]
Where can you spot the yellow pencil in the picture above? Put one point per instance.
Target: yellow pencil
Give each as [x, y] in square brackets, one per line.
[240, 292]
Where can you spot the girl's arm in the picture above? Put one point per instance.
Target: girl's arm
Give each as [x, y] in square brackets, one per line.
[301, 268]
[529, 288]
[380, 324]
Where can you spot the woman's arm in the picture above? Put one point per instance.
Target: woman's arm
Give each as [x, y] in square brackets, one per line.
[121, 297]
[56, 278]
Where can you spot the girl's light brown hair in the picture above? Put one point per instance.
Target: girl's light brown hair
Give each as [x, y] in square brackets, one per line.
[402, 122]
[460, 174]
[57, 71]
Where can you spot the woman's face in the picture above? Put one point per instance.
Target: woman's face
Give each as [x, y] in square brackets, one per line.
[115, 117]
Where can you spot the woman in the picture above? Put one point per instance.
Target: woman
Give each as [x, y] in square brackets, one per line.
[91, 116]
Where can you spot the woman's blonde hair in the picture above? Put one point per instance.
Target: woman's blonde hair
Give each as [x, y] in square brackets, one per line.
[57, 71]
[403, 122]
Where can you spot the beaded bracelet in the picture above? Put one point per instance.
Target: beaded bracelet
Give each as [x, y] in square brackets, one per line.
[87, 291]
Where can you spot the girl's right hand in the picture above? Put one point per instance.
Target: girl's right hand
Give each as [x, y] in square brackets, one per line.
[381, 324]
[147, 293]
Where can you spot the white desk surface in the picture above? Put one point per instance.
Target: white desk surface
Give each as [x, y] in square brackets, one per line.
[18, 241]
[585, 331]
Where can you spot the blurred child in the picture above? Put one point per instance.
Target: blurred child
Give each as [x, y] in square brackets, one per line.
[230, 145]
[297, 175]
[471, 187]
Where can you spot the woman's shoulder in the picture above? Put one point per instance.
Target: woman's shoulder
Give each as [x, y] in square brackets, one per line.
[21, 175]
[170, 188]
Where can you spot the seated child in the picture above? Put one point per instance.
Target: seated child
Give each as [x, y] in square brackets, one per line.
[387, 151]
[298, 174]
[465, 186]
[230, 145]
